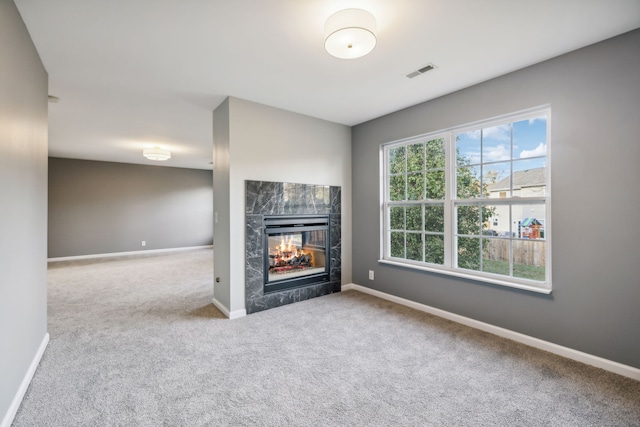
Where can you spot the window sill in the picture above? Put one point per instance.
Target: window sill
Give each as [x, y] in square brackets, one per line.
[463, 275]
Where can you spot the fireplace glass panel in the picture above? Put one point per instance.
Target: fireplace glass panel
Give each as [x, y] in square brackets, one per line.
[296, 254]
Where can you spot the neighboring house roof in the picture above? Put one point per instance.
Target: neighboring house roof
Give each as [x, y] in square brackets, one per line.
[527, 178]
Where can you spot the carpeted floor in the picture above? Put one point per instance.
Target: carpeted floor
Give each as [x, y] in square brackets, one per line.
[136, 342]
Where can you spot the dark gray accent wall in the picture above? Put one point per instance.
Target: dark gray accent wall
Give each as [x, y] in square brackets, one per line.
[104, 207]
[23, 207]
[594, 95]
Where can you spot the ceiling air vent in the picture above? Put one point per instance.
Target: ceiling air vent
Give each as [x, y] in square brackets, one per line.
[421, 71]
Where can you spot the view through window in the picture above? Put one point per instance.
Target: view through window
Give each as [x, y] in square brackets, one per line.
[472, 201]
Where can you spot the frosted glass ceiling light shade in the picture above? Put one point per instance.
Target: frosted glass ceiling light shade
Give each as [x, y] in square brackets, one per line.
[157, 154]
[350, 33]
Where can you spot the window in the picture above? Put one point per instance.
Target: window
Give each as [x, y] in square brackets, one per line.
[472, 201]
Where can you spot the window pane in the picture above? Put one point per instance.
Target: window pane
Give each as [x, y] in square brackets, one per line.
[396, 217]
[397, 160]
[530, 138]
[435, 154]
[435, 185]
[495, 256]
[414, 246]
[496, 143]
[529, 220]
[434, 249]
[468, 220]
[415, 157]
[488, 219]
[434, 218]
[469, 253]
[414, 218]
[397, 244]
[529, 178]
[468, 182]
[529, 259]
[498, 220]
[496, 179]
[397, 185]
[415, 186]
[468, 148]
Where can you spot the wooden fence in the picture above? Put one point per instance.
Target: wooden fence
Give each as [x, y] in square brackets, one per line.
[526, 252]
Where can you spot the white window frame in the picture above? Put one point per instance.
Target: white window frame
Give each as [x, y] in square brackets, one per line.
[450, 203]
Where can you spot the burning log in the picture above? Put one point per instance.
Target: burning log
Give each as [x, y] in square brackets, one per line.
[302, 259]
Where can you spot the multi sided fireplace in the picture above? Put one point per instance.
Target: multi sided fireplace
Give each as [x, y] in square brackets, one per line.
[296, 251]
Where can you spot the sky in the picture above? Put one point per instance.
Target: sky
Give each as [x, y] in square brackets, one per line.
[527, 147]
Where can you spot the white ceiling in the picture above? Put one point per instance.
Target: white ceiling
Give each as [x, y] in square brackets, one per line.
[131, 74]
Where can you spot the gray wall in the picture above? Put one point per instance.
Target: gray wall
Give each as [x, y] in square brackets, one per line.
[23, 206]
[103, 207]
[594, 95]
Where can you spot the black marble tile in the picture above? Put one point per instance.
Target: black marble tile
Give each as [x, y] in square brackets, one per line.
[264, 197]
[323, 289]
[335, 250]
[254, 278]
[289, 198]
[309, 200]
[336, 199]
[282, 298]
[255, 305]
[335, 275]
[296, 294]
[305, 293]
[271, 301]
[298, 201]
[322, 199]
[253, 236]
[335, 229]
[252, 189]
[292, 201]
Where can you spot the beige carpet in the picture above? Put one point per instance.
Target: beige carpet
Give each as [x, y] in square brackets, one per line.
[136, 342]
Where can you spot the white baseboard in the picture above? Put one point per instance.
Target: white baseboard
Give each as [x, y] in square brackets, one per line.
[230, 314]
[24, 385]
[569, 353]
[115, 254]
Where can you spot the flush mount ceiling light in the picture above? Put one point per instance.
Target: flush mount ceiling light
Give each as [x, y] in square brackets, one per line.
[350, 33]
[157, 154]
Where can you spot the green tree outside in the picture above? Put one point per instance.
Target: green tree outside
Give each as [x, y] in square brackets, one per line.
[417, 173]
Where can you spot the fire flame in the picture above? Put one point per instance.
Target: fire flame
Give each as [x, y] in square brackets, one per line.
[287, 249]
[285, 245]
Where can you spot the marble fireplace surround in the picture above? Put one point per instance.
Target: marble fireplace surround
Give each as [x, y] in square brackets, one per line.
[285, 198]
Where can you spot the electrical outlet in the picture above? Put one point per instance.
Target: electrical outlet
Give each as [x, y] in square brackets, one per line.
[144, 243]
[370, 274]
